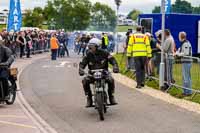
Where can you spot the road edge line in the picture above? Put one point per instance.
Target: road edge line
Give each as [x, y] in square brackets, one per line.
[41, 124]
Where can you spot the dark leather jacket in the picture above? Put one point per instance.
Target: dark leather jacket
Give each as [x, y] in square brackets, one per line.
[6, 59]
[98, 60]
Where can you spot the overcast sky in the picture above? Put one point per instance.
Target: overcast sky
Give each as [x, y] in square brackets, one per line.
[145, 6]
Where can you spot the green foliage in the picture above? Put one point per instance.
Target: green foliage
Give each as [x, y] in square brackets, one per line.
[69, 14]
[156, 9]
[64, 14]
[2, 26]
[173, 91]
[103, 17]
[196, 10]
[180, 6]
[33, 18]
[125, 28]
[134, 14]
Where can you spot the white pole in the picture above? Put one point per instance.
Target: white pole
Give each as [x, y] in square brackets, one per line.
[116, 30]
[162, 64]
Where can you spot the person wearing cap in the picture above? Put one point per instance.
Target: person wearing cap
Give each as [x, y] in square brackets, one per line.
[97, 58]
[141, 49]
[6, 59]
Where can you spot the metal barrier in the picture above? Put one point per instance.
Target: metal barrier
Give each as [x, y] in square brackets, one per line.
[36, 48]
[174, 73]
[188, 67]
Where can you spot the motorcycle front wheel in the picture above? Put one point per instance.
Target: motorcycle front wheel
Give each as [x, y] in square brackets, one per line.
[12, 94]
[100, 105]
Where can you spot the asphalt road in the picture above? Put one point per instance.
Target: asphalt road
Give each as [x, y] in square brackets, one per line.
[54, 90]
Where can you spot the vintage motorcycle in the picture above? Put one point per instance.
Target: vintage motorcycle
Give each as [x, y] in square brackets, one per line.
[12, 88]
[99, 92]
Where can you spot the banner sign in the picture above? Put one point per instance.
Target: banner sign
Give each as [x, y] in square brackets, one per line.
[167, 6]
[15, 16]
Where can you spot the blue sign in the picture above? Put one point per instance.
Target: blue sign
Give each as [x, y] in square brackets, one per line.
[167, 6]
[15, 16]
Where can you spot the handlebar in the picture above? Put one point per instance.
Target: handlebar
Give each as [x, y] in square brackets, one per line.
[4, 66]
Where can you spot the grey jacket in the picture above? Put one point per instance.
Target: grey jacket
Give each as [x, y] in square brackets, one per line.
[169, 47]
[185, 50]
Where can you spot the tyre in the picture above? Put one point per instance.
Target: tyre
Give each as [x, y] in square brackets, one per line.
[100, 105]
[12, 94]
[105, 102]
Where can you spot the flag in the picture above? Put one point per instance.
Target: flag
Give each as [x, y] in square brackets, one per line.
[167, 6]
[15, 16]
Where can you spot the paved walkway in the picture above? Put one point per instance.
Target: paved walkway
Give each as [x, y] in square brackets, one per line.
[15, 118]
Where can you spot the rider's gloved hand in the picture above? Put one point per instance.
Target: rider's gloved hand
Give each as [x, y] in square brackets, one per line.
[115, 69]
[81, 72]
[4, 64]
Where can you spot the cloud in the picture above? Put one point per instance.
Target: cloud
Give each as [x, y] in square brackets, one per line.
[145, 6]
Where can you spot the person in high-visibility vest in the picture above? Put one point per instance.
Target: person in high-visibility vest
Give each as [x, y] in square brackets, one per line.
[128, 47]
[54, 45]
[141, 50]
[105, 41]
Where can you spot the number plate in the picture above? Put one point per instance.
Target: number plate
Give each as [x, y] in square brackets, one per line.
[99, 89]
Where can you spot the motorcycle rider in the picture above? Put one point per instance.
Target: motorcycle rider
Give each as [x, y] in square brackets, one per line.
[97, 58]
[6, 59]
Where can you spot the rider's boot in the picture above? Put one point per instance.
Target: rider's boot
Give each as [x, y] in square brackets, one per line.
[111, 97]
[112, 100]
[89, 101]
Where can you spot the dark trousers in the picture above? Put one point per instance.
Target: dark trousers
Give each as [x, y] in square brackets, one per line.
[140, 69]
[65, 47]
[21, 50]
[28, 52]
[3, 87]
[88, 80]
[53, 54]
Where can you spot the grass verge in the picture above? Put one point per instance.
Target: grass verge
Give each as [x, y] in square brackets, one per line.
[124, 28]
[175, 92]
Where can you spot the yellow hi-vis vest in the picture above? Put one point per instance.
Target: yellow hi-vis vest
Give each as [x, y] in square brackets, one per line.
[141, 45]
[106, 40]
[129, 47]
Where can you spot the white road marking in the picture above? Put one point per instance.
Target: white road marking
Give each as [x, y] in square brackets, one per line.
[17, 124]
[61, 64]
[45, 66]
[12, 116]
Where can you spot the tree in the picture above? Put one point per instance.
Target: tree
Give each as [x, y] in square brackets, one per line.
[156, 9]
[103, 17]
[196, 10]
[33, 18]
[69, 14]
[134, 14]
[181, 6]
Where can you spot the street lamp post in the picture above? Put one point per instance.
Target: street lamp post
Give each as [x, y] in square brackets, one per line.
[162, 64]
[117, 2]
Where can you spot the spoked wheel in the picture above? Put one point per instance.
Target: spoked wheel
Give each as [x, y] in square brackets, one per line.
[105, 102]
[12, 94]
[100, 105]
